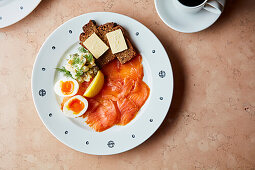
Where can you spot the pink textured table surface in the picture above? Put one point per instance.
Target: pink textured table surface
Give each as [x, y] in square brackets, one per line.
[211, 122]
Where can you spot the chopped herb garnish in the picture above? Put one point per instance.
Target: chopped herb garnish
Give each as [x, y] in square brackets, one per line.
[79, 73]
[82, 49]
[76, 60]
[65, 71]
[80, 65]
[89, 57]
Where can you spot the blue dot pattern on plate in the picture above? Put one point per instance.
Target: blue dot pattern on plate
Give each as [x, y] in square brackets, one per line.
[161, 98]
[133, 136]
[151, 120]
[70, 31]
[66, 132]
[50, 114]
[21, 7]
[42, 92]
[162, 74]
[137, 33]
[110, 144]
[53, 47]
[43, 69]
[87, 142]
[153, 51]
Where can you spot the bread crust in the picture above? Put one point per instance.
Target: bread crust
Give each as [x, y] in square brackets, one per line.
[101, 31]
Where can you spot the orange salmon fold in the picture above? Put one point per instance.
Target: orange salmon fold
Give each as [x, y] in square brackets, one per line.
[122, 96]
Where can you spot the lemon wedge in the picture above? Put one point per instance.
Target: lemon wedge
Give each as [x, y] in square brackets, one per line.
[95, 86]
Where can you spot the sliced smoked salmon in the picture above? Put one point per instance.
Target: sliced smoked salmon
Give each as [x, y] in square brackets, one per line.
[139, 94]
[128, 110]
[102, 115]
[132, 69]
[115, 89]
[121, 97]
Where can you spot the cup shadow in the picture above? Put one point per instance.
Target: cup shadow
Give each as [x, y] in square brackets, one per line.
[231, 8]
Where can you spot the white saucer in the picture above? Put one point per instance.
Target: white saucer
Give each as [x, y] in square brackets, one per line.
[185, 22]
[12, 11]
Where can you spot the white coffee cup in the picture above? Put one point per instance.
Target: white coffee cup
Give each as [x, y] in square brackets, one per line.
[210, 5]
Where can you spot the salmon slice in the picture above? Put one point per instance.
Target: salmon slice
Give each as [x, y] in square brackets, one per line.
[129, 84]
[112, 89]
[102, 115]
[111, 70]
[139, 94]
[130, 70]
[128, 110]
[93, 105]
[116, 88]
[133, 69]
[121, 97]
[83, 87]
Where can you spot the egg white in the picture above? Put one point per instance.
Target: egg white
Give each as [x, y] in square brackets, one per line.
[57, 87]
[70, 113]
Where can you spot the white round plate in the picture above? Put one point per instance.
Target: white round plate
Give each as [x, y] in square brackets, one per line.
[12, 11]
[157, 74]
[185, 22]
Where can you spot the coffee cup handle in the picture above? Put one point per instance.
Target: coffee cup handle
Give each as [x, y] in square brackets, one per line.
[213, 6]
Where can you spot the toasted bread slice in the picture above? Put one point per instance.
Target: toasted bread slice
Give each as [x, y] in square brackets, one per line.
[104, 29]
[129, 53]
[101, 31]
[88, 30]
[107, 56]
[123, 56]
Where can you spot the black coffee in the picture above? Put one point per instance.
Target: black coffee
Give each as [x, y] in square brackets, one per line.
[191, 2]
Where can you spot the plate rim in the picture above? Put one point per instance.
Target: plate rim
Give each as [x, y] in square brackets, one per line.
[20, 16]
[170, 88]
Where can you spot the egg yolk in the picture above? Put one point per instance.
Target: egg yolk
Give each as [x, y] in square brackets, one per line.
[67, 87]
[76, 106]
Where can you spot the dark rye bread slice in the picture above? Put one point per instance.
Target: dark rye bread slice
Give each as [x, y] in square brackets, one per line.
[104, 29]
[125, 55]
[88, 30]
[107, 56]
[101, 31]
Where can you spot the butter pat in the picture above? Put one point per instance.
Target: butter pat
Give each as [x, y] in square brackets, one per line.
[117, 41]
[95, 45]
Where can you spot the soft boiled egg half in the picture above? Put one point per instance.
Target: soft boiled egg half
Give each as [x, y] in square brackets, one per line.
[75, 106]
[66, 87]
